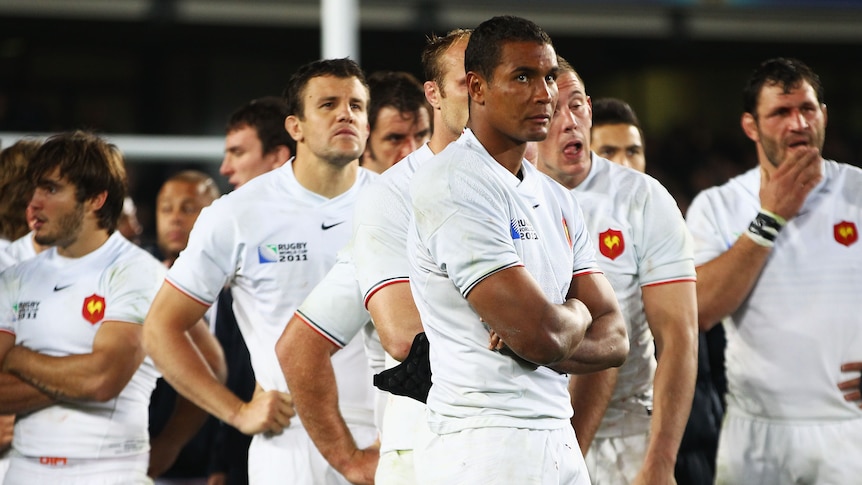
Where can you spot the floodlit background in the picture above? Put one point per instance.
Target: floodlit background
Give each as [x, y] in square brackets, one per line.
[165, 69]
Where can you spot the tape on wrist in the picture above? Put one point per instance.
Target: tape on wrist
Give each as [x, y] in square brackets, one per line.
[765, 228]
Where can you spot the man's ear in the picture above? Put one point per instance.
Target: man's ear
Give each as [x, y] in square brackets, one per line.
[476, 87]
[749, 126]
[97, 201]
[432, 94]
[293, 128]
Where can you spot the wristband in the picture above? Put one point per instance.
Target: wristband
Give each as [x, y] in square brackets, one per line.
[765, 227]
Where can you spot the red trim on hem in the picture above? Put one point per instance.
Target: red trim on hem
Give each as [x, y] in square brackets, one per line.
[317, 330]
[375, 289]
[668, 282]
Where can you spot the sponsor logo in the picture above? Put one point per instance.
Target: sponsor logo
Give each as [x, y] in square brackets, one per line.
[93, 309]
[58, 287]
[325, 227]
[282, 253]
[24, 310]
[53, 460]
[611, 243]
[522, 229]
[845, 233]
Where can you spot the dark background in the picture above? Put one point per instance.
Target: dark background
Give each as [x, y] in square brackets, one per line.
[180, 67]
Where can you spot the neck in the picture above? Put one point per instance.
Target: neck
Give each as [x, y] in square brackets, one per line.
[87, 242]
[325, 178]
[441, 138]
[506, 151]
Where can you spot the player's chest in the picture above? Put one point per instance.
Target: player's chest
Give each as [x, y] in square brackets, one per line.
[61, 314]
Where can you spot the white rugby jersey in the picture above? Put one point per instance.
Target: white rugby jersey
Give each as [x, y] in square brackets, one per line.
[273, 240]
[377, 257]
[55, 305]
[472, 218]
[801, 321]
[641, 240]
[22, 248]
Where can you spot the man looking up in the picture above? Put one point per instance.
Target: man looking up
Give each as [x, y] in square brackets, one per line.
[378, 259]
[272, 241]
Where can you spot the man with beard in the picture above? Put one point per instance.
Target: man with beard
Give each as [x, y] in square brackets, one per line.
[777, 251]
[73, 366]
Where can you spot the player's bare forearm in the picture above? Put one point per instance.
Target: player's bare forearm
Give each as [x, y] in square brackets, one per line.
[725, 282]
[671, 312]
[168, 343]
[20, 397]
[605, 343]
[305, 359]
[591, 395]
[96, 376]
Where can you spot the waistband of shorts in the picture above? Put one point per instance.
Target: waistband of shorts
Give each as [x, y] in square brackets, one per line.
[68, 462]
[734, 411]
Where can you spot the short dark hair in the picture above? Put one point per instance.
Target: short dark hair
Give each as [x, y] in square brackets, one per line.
[340, 68]
[266, 115]
[397, 89]
[91, 164]
[786, 73]
[432, 54]
[613, 111]
[483, 49]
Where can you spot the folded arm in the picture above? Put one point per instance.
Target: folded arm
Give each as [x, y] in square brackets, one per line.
[97, 376]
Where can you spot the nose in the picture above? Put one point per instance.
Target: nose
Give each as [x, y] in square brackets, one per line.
[345, 113]
[409, 146]
[547, 91]
[36, 200]
[799, 121]
[226, 167]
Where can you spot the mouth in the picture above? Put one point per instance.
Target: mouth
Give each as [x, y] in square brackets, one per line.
[573, 148]
[346, 132]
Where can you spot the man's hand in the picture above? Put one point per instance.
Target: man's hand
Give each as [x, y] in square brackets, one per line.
[363, 465]
[851, 387]
[7, 426]
[267, 412]
[784, 189]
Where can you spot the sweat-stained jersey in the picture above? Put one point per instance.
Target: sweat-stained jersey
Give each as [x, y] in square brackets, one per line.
[55, 305]
[471, 219]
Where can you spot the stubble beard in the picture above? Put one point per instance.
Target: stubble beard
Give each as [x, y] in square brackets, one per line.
[67, 231]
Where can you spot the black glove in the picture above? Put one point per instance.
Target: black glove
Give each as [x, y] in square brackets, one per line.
[412, 377]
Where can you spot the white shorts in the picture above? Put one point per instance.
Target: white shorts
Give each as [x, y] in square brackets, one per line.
[291, 457]
[777, 452]
[129, 470]
[396, 468]
[500, 455]
[616, 461]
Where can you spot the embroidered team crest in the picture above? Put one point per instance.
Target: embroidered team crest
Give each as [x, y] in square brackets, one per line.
[94, 308]
[845, 233]
[611, 243]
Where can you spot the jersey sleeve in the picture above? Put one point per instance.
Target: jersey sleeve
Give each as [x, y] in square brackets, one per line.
[339, 322]
[583, 251]
[703, 223]
[210, 258]
[130, 288]
[8, 305]
[380, 239]
[666, 251]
